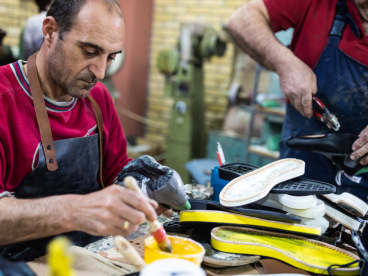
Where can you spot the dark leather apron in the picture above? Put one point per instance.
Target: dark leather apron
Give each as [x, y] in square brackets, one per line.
[75, 171]
[342, 84]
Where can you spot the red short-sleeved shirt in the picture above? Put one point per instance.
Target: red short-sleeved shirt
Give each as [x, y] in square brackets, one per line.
[312, 21]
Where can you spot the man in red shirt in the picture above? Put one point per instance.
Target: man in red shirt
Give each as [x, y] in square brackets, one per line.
[327, 57]
[50, 134]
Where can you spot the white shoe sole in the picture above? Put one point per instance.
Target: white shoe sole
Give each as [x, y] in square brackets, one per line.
[295, 202]
[350, 203]
[309, 213]
[321, 222]
[340, 217]
[257, 184]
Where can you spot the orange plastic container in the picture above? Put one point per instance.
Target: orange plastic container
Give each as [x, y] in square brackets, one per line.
[183, 248]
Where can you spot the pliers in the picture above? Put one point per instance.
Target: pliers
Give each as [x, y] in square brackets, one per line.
[324, 115]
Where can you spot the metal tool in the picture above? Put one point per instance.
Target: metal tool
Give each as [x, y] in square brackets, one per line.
[183, 69]
[324, 115]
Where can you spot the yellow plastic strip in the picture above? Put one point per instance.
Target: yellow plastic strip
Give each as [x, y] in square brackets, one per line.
[231, 218]
[306, 254]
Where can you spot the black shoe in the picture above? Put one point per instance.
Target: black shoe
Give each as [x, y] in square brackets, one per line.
[334, 146]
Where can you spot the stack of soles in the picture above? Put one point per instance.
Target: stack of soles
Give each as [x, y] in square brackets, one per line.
[310, 209]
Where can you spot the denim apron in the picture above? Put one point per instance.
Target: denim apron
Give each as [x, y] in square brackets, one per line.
[342, 84]
[76, 173]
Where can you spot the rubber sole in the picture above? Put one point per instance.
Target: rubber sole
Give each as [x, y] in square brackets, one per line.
[257, 184]
[307, 254]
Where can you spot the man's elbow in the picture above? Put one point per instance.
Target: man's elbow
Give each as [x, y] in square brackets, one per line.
[237, 19]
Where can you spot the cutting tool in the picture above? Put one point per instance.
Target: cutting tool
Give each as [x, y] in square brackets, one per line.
[324, 115]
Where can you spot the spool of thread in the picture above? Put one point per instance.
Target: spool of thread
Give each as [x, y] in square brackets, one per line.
[156, 229]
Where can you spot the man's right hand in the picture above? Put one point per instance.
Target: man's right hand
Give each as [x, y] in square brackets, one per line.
[102, 213]
[298, 83]
[250, 27]
[105, 212]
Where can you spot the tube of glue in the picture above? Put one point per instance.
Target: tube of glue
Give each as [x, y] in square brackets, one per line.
[220, 154]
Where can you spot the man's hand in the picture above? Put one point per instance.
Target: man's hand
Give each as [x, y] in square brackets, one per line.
[299, 84]
[102, 213]
[250, 27]
[360, 147]
[165, 211]
[105, 212]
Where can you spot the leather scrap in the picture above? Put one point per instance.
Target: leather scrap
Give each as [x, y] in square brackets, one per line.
[273, 266]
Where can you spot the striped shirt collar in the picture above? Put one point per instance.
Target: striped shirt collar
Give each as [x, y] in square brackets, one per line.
[51, 105]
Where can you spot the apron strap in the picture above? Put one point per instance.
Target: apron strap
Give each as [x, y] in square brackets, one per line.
[43, 119]
[343, 16]
[98, 115]
[41, 114]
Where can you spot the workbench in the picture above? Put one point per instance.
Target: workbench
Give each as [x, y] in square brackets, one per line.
[101, 257]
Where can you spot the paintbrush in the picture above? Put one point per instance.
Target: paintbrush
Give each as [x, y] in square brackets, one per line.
[156, 229]
[127, 250]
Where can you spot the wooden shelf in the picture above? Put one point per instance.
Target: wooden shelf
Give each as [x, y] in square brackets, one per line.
[262, 150]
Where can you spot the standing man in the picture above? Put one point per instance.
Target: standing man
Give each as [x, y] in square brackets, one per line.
[328, 57]
[49, 136]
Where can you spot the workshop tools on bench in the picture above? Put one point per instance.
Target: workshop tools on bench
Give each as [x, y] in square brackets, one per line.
[324, 115]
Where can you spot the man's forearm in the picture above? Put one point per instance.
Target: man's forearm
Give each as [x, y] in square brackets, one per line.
[28, 219]
[250, 28]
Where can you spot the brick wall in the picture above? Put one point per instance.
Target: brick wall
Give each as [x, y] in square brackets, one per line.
[168, 16]
[13, 17]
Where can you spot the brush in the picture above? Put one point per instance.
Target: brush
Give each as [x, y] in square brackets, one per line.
[156, 229]
[127, 250]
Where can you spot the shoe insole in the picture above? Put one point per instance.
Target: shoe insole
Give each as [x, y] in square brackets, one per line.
[257, 184]
[307, 254]
[295, 202]
[349, 203]
[313, 212]
[266, 213]
[295, 186]
[226, 218]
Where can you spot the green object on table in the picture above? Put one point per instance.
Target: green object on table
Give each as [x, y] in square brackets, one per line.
[270, 104]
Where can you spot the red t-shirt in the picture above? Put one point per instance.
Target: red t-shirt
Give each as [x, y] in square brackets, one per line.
[20, 136]
[312, 21]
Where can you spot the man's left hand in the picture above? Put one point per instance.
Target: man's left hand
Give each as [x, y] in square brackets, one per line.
[163, 210]
[360, 147]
